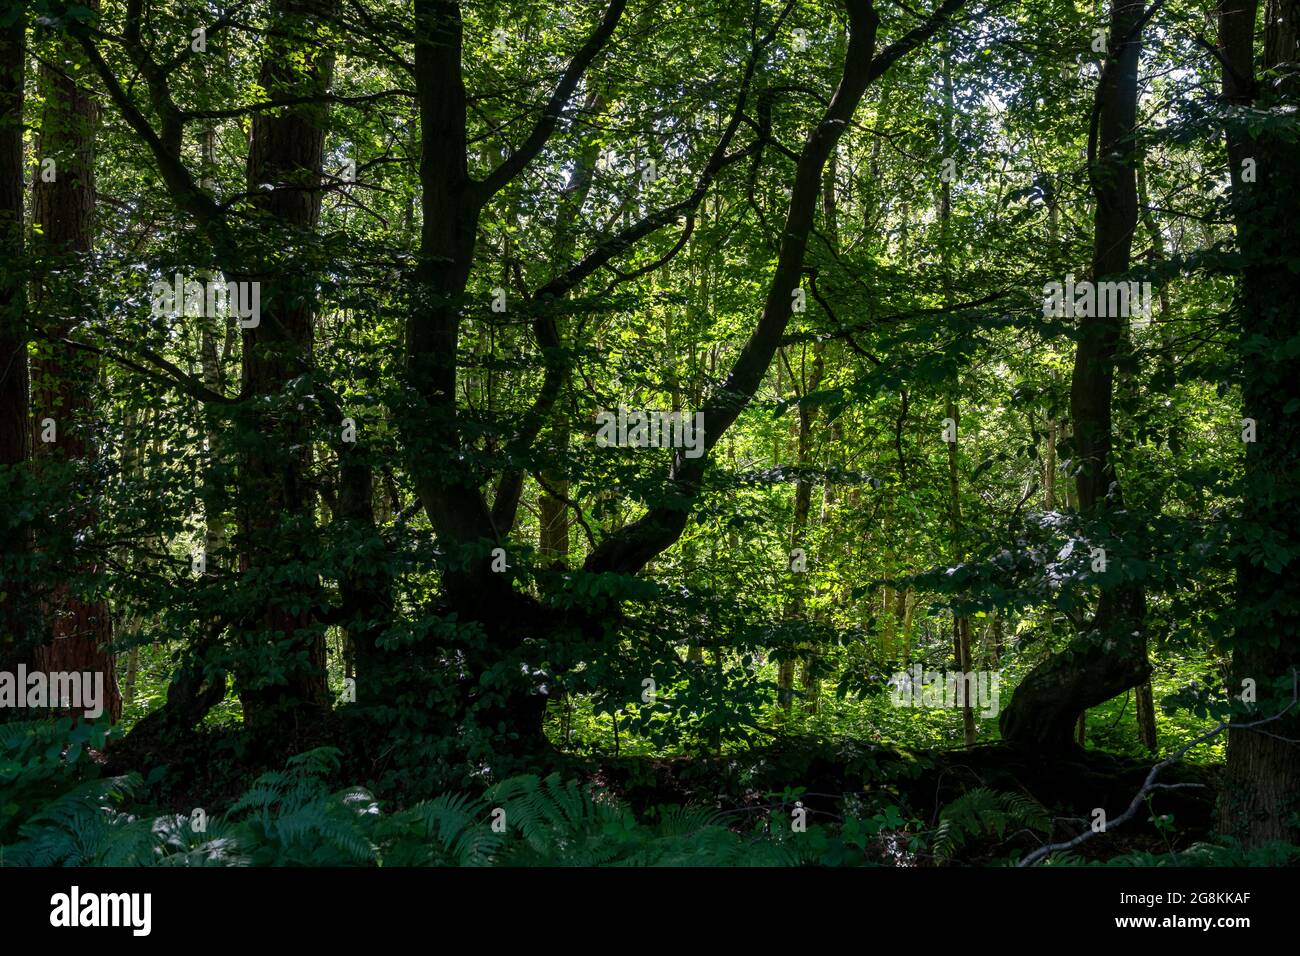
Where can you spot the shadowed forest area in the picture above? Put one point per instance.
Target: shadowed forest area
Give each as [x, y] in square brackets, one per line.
[669, 432]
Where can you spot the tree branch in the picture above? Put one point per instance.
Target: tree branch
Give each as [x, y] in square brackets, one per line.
[496, 180]
[1150, 784]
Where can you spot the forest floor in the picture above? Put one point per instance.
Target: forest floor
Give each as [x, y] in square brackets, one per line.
[832, 776]
[831, 779]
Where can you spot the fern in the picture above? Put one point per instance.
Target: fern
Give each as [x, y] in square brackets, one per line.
[40, 761]
[446, 831]
[1228, 853]
[291, 817]
[560, 822]
[982, 812]
[76, 829]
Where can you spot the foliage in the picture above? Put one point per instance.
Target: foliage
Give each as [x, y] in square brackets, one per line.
[431, 590]
[982, 812]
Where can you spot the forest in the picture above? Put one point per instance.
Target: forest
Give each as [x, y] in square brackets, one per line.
[834, 433]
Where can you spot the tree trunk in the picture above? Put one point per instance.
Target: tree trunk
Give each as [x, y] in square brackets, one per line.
[909, 611]
[960, 625]
[63, 377]
[1049, 468]
[803, 459]
[215, 332]
[1111, 657]
[15, 426]
[555, 523]
[1144, 701]
[1259, 801]
[799, 526]
[276, 509]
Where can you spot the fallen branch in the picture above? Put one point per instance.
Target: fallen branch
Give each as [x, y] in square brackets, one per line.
[1150, 785]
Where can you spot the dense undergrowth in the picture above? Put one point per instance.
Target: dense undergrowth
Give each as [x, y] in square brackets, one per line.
[61, 808]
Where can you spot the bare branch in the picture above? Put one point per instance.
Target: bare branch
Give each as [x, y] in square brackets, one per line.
[1150, 784]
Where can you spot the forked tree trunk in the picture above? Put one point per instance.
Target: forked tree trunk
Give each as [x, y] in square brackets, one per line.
[451, 205]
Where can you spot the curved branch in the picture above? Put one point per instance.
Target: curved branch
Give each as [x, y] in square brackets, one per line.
[496, 180]
[628, 550]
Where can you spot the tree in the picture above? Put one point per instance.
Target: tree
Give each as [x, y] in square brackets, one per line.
[64, 375]
[1263, 778]
[452, 204]
[275, 502]
[1111, 656]
[15, 427]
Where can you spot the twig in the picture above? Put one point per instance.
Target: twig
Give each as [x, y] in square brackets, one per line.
[1150, 784]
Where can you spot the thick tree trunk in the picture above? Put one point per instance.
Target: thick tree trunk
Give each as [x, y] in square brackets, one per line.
[451, 204]
[15, 427]
[1111, 657]
[1262, 783]
[450, 208]
[63, 377]
[276, 507]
